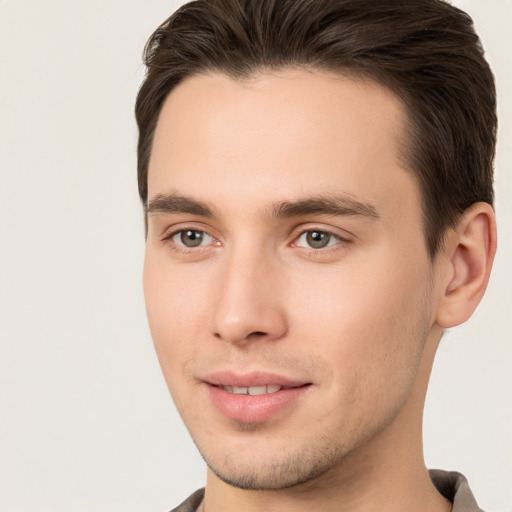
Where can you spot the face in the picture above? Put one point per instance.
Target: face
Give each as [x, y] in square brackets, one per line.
[287, 283]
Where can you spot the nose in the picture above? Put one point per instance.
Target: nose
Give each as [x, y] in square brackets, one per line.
[248, 304]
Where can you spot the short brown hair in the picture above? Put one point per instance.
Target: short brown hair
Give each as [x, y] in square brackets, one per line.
[425, 51]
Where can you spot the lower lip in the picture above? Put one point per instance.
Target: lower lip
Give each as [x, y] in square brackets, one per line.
[253, 408]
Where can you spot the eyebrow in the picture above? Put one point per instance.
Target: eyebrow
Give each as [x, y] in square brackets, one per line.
[335, 205]
[174, 203]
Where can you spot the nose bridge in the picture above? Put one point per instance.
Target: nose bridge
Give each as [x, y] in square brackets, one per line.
[248, 304]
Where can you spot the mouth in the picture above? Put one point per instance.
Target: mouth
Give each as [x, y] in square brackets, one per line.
[255, 397]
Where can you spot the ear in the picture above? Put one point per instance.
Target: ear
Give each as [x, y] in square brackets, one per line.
[466, 264]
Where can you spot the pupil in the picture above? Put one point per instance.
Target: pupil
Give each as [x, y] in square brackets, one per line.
[191, 238]
[317, 239]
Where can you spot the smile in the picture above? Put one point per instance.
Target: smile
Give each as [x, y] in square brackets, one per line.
[254, 397]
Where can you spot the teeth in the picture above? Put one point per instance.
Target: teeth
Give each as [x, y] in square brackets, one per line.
[252, 390]
[257, 390]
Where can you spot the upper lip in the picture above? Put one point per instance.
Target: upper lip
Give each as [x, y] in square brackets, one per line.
[256, 378]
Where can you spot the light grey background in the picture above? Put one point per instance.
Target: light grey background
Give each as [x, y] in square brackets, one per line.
[86, 423]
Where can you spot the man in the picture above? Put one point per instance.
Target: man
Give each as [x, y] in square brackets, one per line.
[317, 184]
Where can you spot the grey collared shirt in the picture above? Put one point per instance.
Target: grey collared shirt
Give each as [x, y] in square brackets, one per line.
[454, 486]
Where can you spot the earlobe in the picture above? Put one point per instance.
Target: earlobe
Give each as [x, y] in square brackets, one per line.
[469, 254]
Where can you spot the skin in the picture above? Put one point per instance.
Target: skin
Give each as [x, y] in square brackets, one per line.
[359, 320]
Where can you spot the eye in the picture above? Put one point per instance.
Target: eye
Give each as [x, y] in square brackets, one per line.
[191, 238]
[316, 239]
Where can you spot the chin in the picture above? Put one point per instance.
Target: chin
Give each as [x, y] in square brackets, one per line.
[248, 471]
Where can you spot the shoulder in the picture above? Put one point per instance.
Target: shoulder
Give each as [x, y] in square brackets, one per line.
[454, 486]
[192, 503]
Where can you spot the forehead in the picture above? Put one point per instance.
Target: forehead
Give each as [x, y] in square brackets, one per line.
[278, 134]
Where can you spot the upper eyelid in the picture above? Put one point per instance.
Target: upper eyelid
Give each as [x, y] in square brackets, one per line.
[342, 234]
[171, 231]
[329, 233]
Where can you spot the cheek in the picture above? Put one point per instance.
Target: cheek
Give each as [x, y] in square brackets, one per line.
[173, 308]
[369, 326]
[170, 310]
[372, 344]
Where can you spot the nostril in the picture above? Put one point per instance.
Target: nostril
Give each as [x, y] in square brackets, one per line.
[240, 339]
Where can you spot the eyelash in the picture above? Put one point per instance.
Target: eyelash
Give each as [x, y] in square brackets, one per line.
[167, 239]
